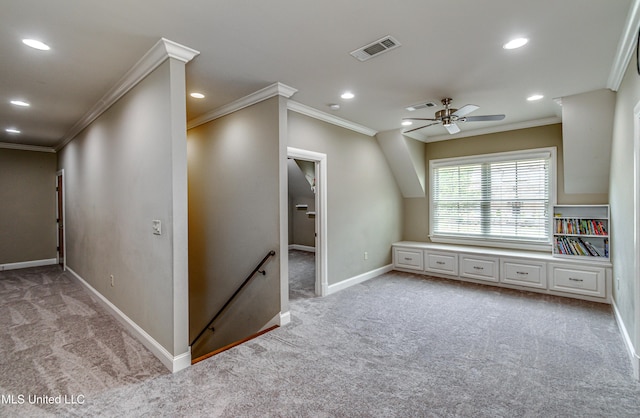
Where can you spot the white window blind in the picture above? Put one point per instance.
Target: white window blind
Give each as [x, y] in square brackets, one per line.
[499, 197]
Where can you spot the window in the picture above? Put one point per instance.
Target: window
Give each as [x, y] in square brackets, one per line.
[495, 199]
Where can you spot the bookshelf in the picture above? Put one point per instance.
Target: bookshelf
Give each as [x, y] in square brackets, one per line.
[581, 231]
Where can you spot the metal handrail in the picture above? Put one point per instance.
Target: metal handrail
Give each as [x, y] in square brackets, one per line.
[255, 270]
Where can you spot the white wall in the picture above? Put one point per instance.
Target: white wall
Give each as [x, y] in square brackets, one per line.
[123, 171]
[587, 122]
[621, 195]
[364, 212]
[234, 221]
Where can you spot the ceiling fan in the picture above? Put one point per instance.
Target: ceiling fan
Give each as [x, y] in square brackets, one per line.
[449, 116]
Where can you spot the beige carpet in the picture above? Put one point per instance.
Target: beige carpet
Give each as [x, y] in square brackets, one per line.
[399, 345]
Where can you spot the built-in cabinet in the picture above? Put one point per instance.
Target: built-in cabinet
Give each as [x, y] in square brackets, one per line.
[581, 231]
[526, 270]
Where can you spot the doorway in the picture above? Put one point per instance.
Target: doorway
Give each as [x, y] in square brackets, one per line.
[313, 169]
[60, 219]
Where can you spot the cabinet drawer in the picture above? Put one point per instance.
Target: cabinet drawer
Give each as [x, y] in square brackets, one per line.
[483, 268]
[524, 273]
[408, 259]
[445, 263]
[576, 279]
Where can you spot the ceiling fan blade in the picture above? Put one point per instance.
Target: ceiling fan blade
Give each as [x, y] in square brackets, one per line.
[465, 110]
[483, 118]
[415, 129]
[452, 128]
[419, 119]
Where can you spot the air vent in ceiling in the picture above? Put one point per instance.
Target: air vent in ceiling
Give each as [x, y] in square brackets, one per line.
[375, 48]
[420, 106]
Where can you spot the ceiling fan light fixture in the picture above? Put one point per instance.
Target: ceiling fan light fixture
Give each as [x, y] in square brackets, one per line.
[515, 43]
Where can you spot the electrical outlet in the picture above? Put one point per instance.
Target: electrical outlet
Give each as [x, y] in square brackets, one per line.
[366, 255]
[113, 282]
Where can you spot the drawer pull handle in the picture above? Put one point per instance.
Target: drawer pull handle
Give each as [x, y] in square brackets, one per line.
[576, 280]
[524, 273]
[408, 259]
[478, 268]
[440, 262]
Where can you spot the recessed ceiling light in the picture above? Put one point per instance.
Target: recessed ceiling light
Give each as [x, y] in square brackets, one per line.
[334, 106]
[197, 95]
[12, 130]
[347, 95]
[20, 103]
[515, 43]
[407, 123]
[535, 97]
[36, 44]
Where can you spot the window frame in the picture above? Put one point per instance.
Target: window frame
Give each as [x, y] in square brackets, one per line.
[547, 153]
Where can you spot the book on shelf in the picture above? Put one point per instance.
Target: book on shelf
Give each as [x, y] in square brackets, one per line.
[579, 246]
[580, 227]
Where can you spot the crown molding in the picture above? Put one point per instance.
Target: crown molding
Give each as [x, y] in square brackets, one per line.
[625, 47]
[275, 89]
[491, 129]
[326, 117]
[9, 145]
[160, 52]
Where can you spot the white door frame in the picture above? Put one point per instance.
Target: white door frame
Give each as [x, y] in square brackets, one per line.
[320, 160]
[60, 173]
[636, 235]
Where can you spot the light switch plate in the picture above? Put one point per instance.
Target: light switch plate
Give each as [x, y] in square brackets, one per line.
[157, 227]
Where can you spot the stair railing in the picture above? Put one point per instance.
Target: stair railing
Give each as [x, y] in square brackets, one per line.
[246, 281]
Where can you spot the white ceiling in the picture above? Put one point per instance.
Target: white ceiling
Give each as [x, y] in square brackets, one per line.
[449, 49]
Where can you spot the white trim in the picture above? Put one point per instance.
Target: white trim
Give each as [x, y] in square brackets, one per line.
[302, 248]
[336, 287]
[281, 319]
[633, 356]
[21, 147]
[488, 130]
[625, 47]
[159, 53]
[28, 264]
[64, 220]
[329, 118]
[275, 89]
[322, 239]
[173, 363]
[636, 220]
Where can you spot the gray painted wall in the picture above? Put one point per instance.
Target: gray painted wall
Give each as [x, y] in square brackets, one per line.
[587, 123]
[364, 210]
[234, 221]
[621, 192]
[302, 227]
[27, 206]
[125, 170]
[416, 227]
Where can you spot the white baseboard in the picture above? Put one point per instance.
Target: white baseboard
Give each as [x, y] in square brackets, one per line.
[302, 248]
[336, 287]
[633, 356]
[281, 319]
[173, 363]
[27, 264]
